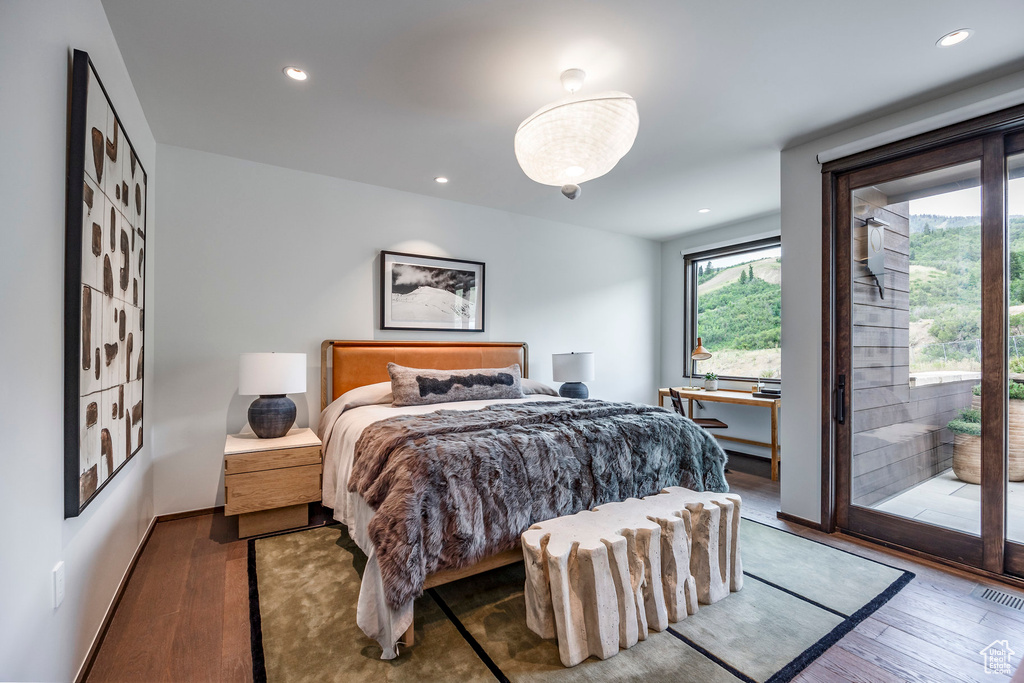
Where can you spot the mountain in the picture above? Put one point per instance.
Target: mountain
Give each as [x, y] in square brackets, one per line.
[767, 269]
[430, 304]
[918, 223]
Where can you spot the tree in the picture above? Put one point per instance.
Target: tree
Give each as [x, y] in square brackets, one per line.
[700, 271]
[743, 277]
[750, 275]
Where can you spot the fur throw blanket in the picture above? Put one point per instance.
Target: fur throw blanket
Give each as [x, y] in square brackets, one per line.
[452, 487]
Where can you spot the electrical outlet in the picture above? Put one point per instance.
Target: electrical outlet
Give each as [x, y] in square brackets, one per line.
[58, 584]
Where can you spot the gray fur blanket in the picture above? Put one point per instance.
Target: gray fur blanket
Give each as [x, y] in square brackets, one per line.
[452, 487]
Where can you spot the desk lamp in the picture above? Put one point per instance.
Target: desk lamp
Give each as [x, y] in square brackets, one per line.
[698, 353]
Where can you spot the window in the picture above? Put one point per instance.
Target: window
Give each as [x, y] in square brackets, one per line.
[735, 307]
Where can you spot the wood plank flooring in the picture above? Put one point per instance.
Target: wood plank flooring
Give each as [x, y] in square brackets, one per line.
[185, 612]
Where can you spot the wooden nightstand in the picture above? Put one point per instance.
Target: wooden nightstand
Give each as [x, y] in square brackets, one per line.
[269, 483]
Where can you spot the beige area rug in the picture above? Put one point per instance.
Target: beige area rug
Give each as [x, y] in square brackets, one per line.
[799, 597]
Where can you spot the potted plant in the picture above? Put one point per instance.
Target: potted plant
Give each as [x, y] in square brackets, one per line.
[1015, 428]
[711, 382]
[966, 430]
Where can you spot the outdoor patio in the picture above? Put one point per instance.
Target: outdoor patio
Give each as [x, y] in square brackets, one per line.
[946, 501]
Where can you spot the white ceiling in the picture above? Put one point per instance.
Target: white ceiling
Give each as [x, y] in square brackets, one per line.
[401, 91]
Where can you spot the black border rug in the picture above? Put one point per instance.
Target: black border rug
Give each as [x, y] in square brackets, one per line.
[786, 673]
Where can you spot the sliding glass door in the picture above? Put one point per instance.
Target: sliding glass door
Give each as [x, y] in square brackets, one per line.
[1014, 502]
[928, 338]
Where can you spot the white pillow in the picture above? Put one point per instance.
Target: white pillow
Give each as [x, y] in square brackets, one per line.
[532, 386]
[368, 395]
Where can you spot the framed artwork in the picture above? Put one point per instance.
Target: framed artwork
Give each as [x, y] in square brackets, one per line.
[430, 293]
[104, 292]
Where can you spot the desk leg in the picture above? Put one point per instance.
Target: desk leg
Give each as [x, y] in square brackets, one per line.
[775, 441]
[690, 413]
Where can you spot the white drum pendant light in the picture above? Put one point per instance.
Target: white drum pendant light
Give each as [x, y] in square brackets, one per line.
[577, 139]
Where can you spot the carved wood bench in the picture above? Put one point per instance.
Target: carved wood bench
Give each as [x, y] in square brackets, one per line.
[599, 579]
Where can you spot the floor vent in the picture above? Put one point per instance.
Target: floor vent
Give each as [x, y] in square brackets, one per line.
[999, 597]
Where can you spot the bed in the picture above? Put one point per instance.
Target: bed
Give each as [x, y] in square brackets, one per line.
[356, 410]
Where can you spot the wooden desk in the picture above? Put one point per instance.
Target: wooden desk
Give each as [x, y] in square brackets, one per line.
[742, 398]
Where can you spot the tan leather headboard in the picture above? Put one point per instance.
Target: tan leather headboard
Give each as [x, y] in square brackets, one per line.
[357, 363]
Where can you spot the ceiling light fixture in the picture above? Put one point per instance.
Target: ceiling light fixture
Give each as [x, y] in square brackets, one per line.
[703, 210]
[295, 73]
[440, 179]
[954, 38]
[571, 141]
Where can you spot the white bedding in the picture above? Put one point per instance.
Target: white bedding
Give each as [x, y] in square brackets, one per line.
[341, 424]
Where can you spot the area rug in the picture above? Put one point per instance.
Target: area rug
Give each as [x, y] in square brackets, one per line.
[799, 597]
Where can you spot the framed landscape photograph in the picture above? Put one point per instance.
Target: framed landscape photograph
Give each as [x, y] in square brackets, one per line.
[104, 292]
[430, 293]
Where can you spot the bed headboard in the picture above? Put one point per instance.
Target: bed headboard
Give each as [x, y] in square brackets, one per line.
[356, 363]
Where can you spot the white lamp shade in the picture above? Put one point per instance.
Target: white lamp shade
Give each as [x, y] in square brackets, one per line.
[577, 139]
[269, 374]
[573, 367]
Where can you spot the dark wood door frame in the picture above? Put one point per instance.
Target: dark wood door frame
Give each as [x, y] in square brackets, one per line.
[989, 139]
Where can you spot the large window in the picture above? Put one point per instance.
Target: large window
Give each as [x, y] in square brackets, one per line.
[735, 306]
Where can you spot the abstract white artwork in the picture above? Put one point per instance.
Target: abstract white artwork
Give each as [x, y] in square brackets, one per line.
[105, 266]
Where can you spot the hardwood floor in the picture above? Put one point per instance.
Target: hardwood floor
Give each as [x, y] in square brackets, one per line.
[185, 613]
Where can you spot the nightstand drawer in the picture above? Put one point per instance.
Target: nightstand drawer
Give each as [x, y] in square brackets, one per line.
[253, 491]
[271, 460]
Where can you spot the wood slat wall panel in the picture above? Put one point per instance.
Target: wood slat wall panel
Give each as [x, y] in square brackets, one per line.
[869, 378]
[880, 356]
[866, 294]
[878, 397]
[929, 440]
[872, 316]
[882, 483]
[877, 336]
[927, 411]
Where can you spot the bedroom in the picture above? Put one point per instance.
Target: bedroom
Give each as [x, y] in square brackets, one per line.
[279, 252]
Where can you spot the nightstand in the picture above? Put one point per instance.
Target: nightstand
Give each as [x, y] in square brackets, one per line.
[269, 483]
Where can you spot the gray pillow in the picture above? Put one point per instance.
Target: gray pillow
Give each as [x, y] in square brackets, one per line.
[416, 387]
[532, 386]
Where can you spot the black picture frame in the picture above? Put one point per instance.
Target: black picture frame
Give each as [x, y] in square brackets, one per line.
[104, 292]
[437, 294]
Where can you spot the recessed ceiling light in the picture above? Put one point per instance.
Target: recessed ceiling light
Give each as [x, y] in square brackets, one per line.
[703, 210]
[440, 179]
[296, 73]
[955, 37]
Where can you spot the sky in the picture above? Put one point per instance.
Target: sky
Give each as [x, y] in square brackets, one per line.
[406, 277]
[966, 202]
[726, 261]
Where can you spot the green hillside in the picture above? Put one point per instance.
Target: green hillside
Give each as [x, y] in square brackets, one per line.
[739, 307]
[945, 281]
[947, 289]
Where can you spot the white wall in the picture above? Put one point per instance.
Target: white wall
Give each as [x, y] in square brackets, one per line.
[744, 422]
[260, 258]
[38, 643]
[801, 285]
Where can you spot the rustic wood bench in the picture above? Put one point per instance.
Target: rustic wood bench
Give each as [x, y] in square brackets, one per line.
[599, 579]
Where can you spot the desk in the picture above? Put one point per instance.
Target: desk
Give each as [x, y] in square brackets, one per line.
[743, 398]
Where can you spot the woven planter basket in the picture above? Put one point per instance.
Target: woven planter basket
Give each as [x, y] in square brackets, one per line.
[967, 449]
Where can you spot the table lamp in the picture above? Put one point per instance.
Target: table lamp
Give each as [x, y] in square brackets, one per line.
[271, 376]
[574, 369]
[698, 353]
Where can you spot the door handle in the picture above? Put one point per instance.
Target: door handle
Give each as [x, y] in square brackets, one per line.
[840, 405]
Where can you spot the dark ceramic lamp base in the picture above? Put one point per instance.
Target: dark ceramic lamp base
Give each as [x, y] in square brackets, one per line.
[271, 416]
[574, 390]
